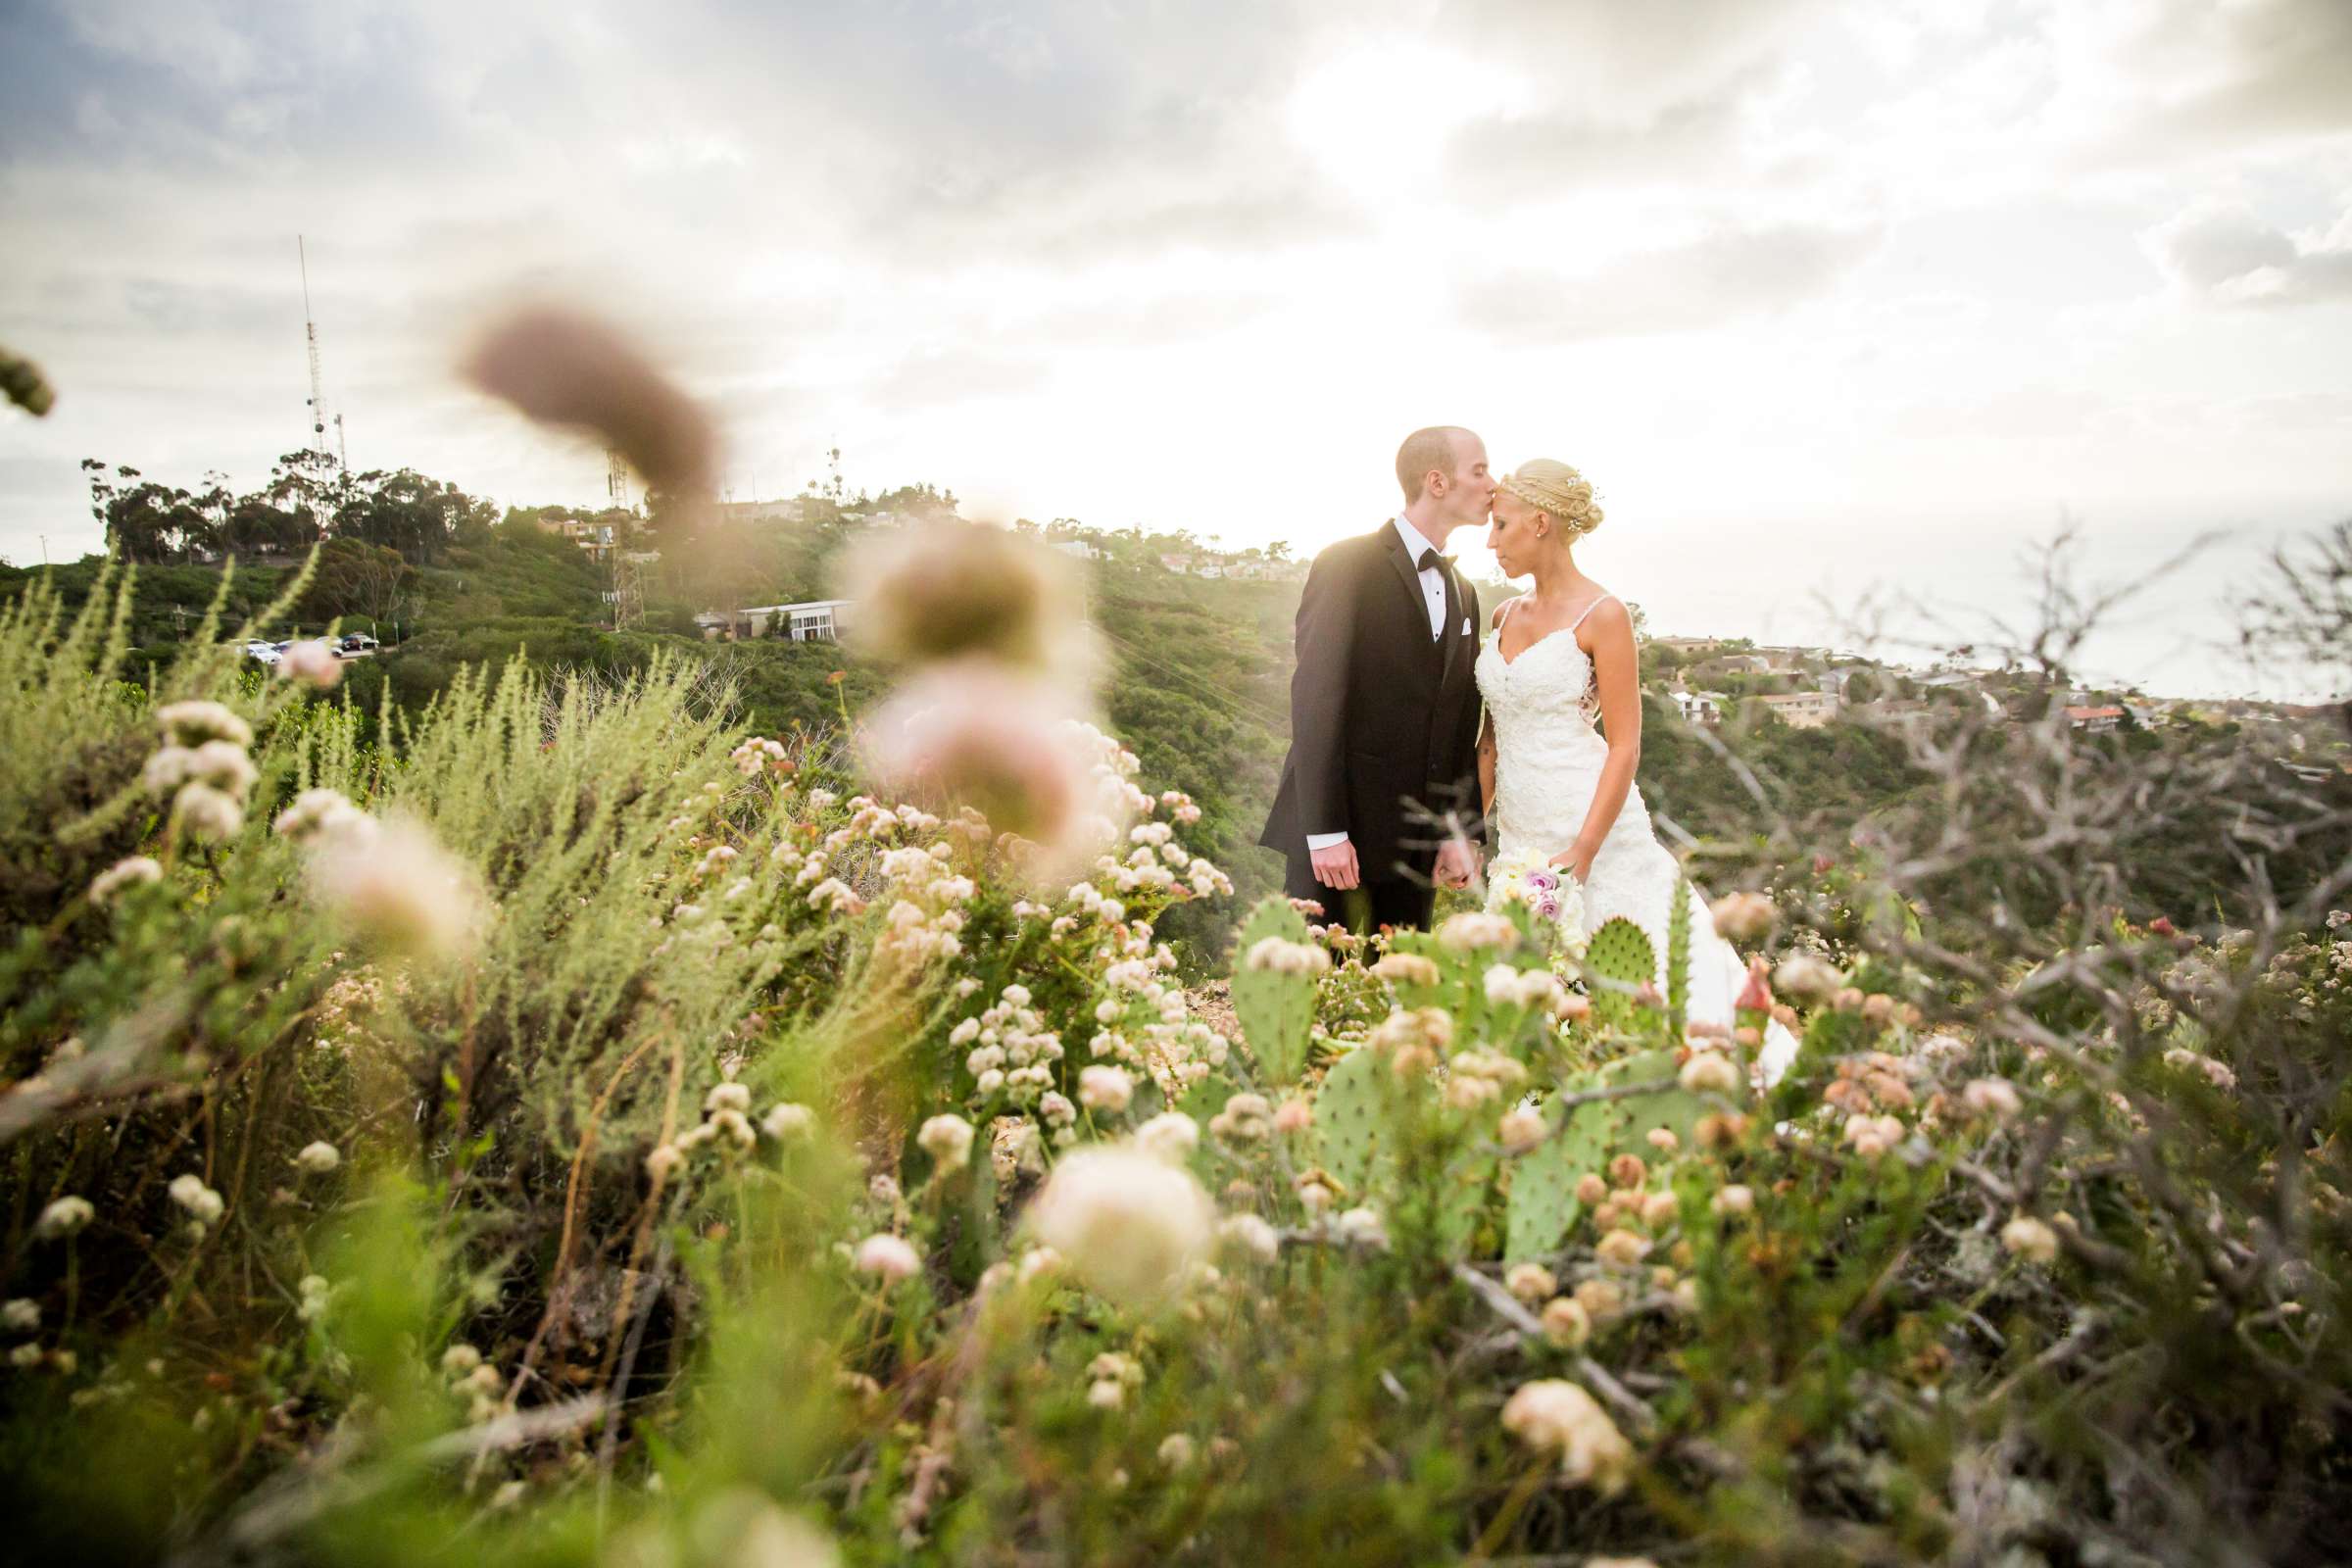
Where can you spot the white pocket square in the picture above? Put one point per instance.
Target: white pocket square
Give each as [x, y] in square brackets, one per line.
[1465, 625]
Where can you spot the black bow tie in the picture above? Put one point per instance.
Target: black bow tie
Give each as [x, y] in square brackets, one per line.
[1430, 557]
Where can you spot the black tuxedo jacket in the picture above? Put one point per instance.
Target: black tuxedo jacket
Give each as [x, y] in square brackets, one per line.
[1384, 718]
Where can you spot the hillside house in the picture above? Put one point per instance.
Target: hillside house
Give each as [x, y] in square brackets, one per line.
[814, 620]
[597, 539]
[1803, 709]
[791, 508]
[1703, 708]
[2094, 721]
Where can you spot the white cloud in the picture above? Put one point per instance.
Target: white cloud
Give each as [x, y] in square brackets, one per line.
[2231, 256]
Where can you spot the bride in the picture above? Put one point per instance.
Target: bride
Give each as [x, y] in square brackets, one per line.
[1562, 657]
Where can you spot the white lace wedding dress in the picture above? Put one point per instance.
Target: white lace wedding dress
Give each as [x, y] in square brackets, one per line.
[1548, 758]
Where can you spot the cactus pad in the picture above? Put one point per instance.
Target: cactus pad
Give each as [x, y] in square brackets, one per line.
[1276, 1009]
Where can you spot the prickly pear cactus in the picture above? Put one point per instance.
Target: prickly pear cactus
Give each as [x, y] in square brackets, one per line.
[1543, 1202]
[1619, 957]
[1350, 1116]
[1678, 959]
[1674, 1108]
[1462, 1204]
[1276, 1010]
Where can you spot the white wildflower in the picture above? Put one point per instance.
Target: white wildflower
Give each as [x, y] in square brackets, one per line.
[1994, 1097]
[316, 813]
[1565, 1322]
[1132, 1223]
[134, 872]
[1250, 1235]
[1555, 1415]
[2030, 1238]
[1529, 1282]
[1522, 1128]
[311, 661]
[1709, 1072]
[205, 814]
[319, 1157]
[1473, 929]
[399, 887]
[889, 1257]
[63, 1217]
[948, 1139]
[785, 1120]
[202, 1202]
[1104, 1088]
[1171, 1136]
[191, 724]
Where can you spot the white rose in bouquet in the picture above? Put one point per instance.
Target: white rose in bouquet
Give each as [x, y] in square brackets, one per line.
[1554, 897]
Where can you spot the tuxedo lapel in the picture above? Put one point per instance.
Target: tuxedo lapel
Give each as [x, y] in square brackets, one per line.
[1409, 575]
[1457, 616]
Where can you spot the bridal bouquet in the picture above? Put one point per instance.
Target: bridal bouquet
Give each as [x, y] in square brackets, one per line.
[1550, 893]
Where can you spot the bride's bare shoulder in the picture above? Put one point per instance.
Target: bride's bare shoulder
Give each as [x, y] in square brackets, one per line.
[1608, 617]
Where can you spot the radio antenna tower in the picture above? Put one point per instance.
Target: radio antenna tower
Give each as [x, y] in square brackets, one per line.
[628, 577]
[617, 478]
[310, 332]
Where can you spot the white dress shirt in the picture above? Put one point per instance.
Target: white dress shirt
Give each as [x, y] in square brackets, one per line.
[1432, 591]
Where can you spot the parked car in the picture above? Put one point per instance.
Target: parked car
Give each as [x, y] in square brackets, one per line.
[264, 653]
[355, 645]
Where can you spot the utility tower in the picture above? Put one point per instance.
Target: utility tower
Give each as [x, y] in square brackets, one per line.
[310, 332]
[628, 577]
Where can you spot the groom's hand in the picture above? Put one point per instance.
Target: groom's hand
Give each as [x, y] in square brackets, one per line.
[1458, 863]
[1335, 866]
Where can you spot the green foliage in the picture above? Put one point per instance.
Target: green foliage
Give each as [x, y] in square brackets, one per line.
[1543, 1201]
[1678, 955]
[2082, 1304]
[1276, 1008]
[1618, 957]
[1351, 1117]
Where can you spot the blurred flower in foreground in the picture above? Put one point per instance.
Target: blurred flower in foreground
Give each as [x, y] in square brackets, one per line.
[564, 366]
[1553, 1413]
[1806, 978]
[312, 662]
[961, 590]
[134, 872]
[22, 382]
[742, 1527]
[394, 883]
[972, 734]
[63, 1218]
[1131, 1224]
[891, 1257]
[1743, 916]
[205, 812]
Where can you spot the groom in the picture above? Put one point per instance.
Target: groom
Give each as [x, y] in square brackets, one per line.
[1384, 708]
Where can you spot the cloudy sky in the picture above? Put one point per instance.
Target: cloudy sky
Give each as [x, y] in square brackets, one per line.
[1829, 299]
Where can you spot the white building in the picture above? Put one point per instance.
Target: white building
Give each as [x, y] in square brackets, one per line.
[813, 621]
[1698, 708]
[1803, 709]
[791, 508]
